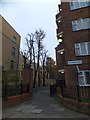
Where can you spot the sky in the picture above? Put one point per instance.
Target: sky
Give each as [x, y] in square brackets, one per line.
[25, 16]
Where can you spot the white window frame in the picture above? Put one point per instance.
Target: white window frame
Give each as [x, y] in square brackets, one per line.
[85, 48]
[81, 75]
[73, 1]
[72, 6]
[84, 79]
[89, 23]
[73, 24]
[81, 24]
[79, 47]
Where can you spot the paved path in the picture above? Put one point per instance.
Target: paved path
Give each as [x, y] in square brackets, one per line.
[41, 106]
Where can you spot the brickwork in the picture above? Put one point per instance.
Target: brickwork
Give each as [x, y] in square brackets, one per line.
[77, 106]
[71, 37]
[14, 100]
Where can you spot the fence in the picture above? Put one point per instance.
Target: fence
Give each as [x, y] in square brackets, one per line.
[12, 90]
[79, 93]
[16, 82]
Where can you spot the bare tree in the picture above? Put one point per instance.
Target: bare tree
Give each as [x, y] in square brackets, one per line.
[35, 46]
[39, 36]
[43, 61]
[35, 68]
[29, 43]
[32, 54]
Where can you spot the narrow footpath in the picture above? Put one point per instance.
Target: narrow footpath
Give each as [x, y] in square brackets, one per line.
[41, 106]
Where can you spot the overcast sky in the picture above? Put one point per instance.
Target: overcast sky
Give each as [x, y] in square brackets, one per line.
[29, 15]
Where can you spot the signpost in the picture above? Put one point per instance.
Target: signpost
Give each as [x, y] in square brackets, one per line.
[74, 62]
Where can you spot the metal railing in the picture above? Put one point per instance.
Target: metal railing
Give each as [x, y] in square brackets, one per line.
[13, 90]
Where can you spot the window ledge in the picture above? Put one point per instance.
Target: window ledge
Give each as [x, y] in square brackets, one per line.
[84, 85]
[83, 55]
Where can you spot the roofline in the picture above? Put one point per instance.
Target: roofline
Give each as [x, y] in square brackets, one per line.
[10, 25]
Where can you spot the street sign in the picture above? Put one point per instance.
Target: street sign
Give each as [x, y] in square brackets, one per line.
[75, 62]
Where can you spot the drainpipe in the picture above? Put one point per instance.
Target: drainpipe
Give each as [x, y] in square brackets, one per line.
[78, 72]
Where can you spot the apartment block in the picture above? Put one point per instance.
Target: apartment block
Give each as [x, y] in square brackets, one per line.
[73, 50]
[10, 46]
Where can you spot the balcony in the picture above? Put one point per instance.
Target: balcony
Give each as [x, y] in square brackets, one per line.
[58, 15]
[59, 30]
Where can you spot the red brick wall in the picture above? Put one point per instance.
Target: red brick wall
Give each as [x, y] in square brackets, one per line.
[14, 100]
[77, 106]
[27, 78]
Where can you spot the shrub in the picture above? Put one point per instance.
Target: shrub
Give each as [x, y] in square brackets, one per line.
[9, 77]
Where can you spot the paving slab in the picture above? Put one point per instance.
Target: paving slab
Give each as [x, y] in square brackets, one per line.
[53, 105]
[37, 111]
[59, 109]
[29, 109]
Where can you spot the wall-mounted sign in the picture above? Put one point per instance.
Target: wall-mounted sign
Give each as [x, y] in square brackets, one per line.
[74, 62]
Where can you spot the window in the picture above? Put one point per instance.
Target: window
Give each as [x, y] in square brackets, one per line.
[89, 23]
[82, 4]
[13, 51]
[86, 23]
[88, 47]
[81, 78]
[87, 2]
[76, 4]
[84, 78]
[74, 25]
[71, 5]
[14, 39]
[77, 49]
[12, 65]
[87, 77]
[82, 48]
[81, 24]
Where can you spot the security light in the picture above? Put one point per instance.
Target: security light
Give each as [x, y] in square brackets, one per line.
[59, 40]
[59, 21]
[62, 72]
[61, 52]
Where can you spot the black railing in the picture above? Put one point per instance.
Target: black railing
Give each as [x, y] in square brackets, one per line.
[13, 90]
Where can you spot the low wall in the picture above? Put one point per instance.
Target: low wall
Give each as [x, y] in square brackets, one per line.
[14, 100]
[81, 107]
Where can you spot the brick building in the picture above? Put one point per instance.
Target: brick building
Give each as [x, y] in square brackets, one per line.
[73, 50]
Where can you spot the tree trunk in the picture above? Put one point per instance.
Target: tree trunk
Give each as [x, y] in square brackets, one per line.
[38, 63]
[35, 71]
[43, 75]
[35, 75]
[38, 78]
